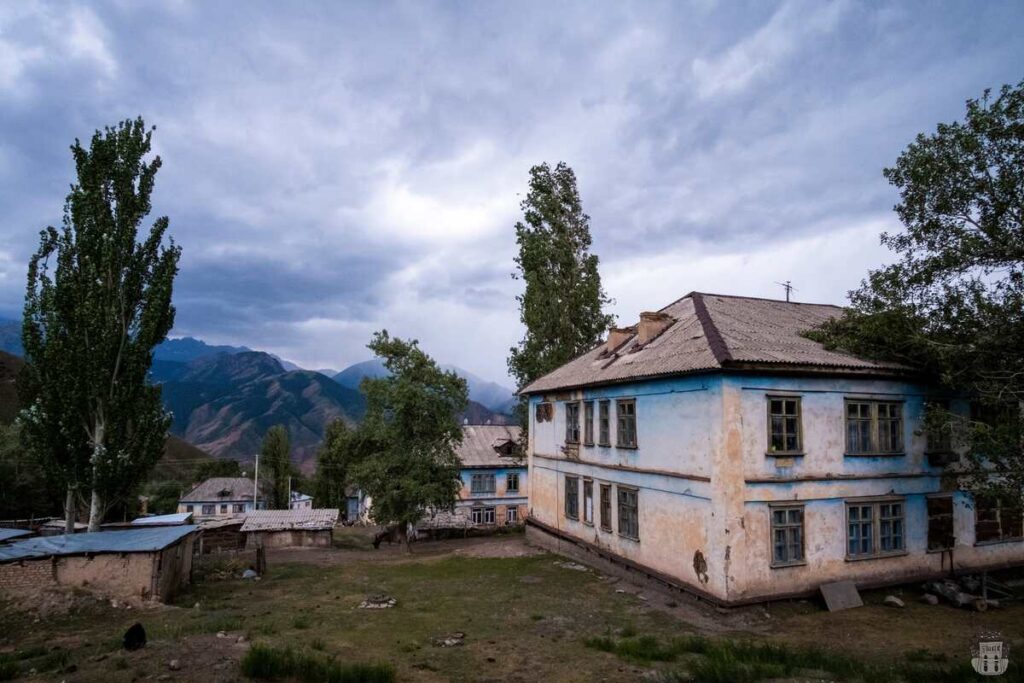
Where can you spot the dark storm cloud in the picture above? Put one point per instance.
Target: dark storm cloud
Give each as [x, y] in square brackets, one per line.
[333, 169]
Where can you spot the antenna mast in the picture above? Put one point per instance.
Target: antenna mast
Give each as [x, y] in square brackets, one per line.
[788, 286]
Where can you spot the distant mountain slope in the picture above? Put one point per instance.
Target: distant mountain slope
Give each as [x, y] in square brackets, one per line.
[489, 395]
[226, 403]
[186, 349]
[179, 457]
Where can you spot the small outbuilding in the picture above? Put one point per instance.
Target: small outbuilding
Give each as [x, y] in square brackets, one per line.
[145, 563]
[221, 535]
[284, 528]
[8, 535]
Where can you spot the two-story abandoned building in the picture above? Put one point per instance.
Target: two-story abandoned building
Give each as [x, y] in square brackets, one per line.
[494, 476]
[714, 447]
[220, 498]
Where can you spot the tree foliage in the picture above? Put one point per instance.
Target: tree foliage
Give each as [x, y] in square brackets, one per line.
[952, 305]
[562, 305]
[96, 303]
[340, 451]
[25, 490]
[276, 458]
[409, 434]
[217, 468]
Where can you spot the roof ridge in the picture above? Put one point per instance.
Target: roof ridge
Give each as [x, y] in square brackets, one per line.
[757, 298]
[715, 341]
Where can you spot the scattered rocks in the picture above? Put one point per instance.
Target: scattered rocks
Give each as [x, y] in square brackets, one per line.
[619, 590]
[378, 602]
[575, 566]
[222, 634]
[195, 606]
[893, 601]
[174, 665]
[453, 640]
[241, 639]
[135, 637]
[250, 574]
[929, 599]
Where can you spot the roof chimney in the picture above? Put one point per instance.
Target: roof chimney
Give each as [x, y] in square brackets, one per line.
[651, 325]
[617, 336]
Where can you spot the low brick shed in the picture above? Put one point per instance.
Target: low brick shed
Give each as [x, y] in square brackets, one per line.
[147, 564]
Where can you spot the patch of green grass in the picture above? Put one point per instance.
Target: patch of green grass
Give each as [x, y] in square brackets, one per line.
[8, 668]
[300, 622]
[268, 663]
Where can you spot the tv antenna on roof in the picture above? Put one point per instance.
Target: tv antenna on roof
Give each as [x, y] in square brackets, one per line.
[787, 285]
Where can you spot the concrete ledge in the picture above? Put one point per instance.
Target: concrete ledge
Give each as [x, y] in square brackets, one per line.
[549, 538]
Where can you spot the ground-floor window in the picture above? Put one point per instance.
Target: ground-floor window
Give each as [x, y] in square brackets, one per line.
[940, 522]
[997, 519]
[511, 515]
[209, 509]
[572, 497]
[588, 501]
[239, 507]
[629, 521]
[483, 515]
[606, 507]
[787, 535]
[874, 528]
[189, 508]
[224, 509]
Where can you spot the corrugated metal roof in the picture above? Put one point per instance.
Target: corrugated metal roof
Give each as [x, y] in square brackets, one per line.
[713, 332]
[125, 541]
[480, 443]
[9, 534]
[163, 520]
[220, 489]
[287, 520]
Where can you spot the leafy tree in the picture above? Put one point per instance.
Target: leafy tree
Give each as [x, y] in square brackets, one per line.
[334, 461]
[409, 435]
[217, 468]
[25, 490]
[953, 304]
[96, 304]
[276, 457]
[164, 496]
[563, 303]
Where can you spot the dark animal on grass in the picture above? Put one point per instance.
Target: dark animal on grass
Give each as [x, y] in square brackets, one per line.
[392, 534]
[135, 637]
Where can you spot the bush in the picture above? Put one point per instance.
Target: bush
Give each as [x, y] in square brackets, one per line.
[8, 668]
[268, 663]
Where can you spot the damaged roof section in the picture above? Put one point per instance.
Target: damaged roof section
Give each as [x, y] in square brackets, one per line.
[126, 541]
[217, 489]
[708, 332]
[291, 520]
[488, 445]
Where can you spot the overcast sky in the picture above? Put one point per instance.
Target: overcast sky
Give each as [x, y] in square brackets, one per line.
[331, 169]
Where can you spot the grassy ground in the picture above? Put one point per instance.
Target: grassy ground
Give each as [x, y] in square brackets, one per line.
[526, 617]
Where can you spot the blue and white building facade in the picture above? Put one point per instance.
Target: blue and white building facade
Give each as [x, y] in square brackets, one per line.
[715, 447]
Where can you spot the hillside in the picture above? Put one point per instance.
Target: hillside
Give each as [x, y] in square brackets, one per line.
[179, 457]
[488, 400]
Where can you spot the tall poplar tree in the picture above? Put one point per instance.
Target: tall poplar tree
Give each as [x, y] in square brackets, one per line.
[563, 303]
[276, 455]
[97, 302]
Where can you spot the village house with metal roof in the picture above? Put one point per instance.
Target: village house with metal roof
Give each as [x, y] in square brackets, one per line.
[144, 563]
[714, 447]
[220, 498]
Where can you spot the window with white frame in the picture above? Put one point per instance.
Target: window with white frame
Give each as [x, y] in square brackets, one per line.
[483, 515]
[511, 515]
[209, 509]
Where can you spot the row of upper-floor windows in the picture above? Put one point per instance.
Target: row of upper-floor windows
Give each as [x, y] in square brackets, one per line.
[878, 528]
[483, 483]
[590, 422]
[873, 427]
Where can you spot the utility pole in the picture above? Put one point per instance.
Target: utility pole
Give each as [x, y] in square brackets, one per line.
[289, 492]
[788, 286]
[256, 485]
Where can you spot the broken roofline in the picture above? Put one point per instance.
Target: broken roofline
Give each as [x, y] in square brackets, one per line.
[718, 348]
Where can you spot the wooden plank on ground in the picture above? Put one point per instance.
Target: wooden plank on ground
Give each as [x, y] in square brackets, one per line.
[840, 595]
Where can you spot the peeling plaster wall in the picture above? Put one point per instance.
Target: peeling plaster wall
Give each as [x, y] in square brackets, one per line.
[705, 482]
